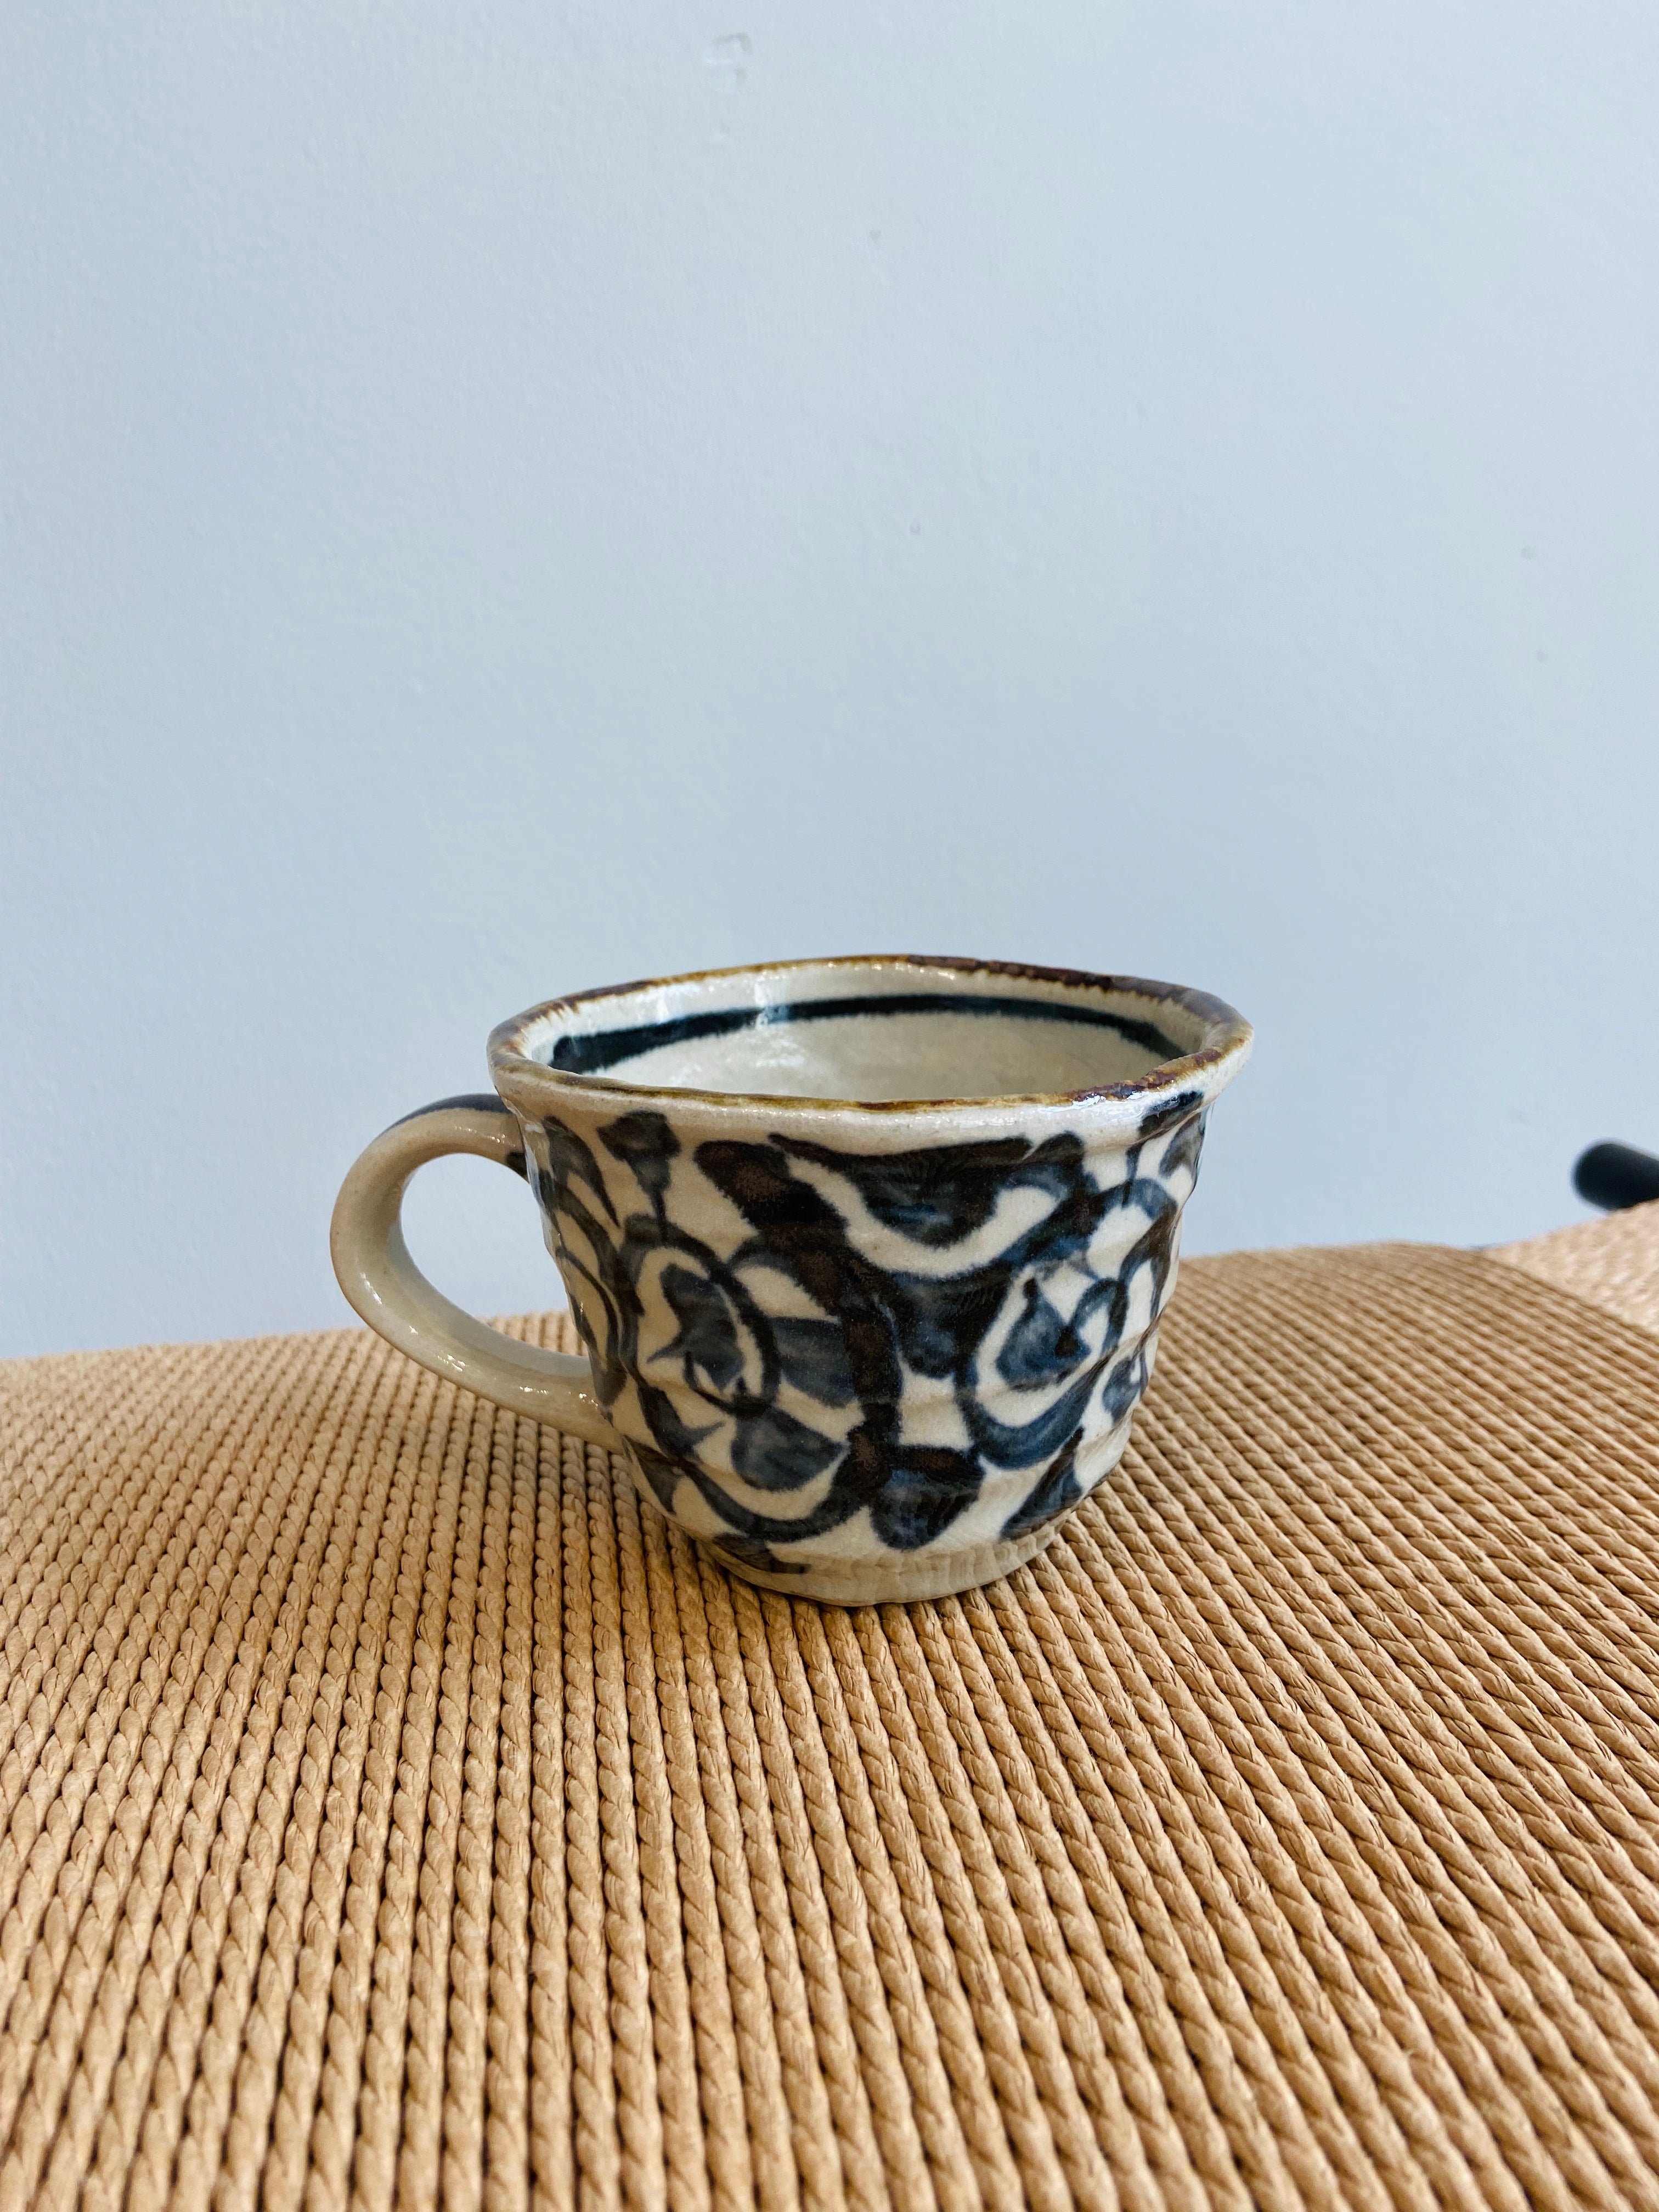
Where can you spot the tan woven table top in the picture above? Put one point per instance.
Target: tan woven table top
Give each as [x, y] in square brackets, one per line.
[1613, 1263]
[394, 1811]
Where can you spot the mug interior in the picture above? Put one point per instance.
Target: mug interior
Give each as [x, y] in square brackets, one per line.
[876, 1031]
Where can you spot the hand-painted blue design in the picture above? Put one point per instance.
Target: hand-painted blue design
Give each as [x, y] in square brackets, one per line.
[1037, 1320]
[1055, 1493]
[1168, 1113]
[1042, 1347]
[922, 1496]
[650, 1146]
[590, 1052]
[814, 1359]
[941, 1194]
[759, 1559]
[1184, 1148]
[707, 1345]
[1123, 1385]
[774, 1451]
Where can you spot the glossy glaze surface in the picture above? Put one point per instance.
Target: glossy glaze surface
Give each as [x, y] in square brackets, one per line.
[866, 1338]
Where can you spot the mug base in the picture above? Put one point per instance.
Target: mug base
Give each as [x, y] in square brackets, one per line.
[893, 1580]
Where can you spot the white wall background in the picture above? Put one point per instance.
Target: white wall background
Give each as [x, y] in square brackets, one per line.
[502, 497]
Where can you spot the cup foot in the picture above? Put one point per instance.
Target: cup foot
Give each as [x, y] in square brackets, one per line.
[895, 1580]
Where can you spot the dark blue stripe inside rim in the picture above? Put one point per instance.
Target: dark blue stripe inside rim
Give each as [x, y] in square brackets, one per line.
[587, 1055]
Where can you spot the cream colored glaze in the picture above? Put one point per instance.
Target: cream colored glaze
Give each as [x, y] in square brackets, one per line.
[895, 1057]
[1021, 1079]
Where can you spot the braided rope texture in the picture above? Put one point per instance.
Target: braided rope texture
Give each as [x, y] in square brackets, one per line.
[394, 1810]
[1614, 1262]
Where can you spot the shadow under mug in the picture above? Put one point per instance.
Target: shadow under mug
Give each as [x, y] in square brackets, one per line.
[867, 1254]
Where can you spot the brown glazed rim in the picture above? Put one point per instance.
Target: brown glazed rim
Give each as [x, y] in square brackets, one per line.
[1227, 1036]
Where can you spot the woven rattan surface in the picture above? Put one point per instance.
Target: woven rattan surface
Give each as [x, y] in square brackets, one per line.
[1614, 1263]
[395, 1812]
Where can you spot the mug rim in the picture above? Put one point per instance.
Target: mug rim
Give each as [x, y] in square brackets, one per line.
[1224, 1047]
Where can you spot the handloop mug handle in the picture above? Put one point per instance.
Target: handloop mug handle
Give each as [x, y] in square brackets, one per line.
[388, 1291]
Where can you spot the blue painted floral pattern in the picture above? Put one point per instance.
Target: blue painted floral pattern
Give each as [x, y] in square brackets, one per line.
[922, 1336]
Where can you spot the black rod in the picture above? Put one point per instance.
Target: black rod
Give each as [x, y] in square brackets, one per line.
[1616, 1176]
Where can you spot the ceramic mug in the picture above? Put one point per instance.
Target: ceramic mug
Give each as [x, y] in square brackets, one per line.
[867, 1254]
